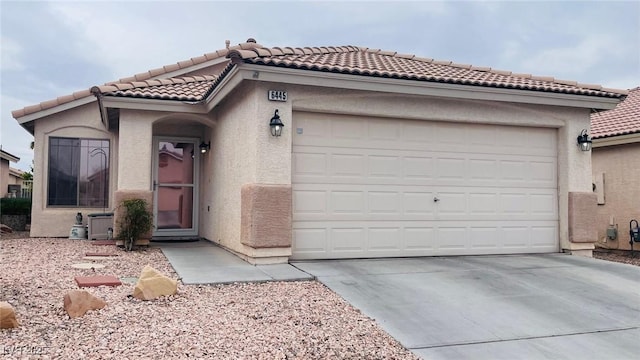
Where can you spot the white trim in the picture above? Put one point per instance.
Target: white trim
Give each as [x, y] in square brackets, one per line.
[230, 82]
[616, 140]
[153, 104]
[9, 157]
[193, 231]
[56, 109]
[403, 86]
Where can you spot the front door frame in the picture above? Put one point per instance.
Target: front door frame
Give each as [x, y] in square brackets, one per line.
[177, 233]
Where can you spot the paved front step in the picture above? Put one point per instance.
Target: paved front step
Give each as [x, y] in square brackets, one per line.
[97, 280]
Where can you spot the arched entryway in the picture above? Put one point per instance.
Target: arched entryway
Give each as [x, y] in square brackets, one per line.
[177, 158]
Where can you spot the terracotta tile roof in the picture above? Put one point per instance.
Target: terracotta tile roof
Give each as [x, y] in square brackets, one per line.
[624, 119]
[342, 59]
[188, 88]
[151, 74]
[373, 62]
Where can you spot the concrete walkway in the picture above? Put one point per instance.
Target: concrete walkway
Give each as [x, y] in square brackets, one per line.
[202, 262]
[496, 307]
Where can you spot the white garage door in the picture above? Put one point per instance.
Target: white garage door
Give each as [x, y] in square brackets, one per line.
[366, 187]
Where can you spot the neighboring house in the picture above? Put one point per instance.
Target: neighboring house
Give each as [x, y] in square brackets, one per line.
[616, 169]
[19, 187]
[6, 174]
[382, 154]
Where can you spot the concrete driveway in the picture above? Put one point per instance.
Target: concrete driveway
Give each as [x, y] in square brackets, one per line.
[496, 307]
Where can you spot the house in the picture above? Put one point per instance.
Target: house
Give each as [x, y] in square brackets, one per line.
[381, 154]
[616, 170]
[7, 174]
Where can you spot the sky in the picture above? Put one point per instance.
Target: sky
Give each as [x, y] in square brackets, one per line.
[51, 49]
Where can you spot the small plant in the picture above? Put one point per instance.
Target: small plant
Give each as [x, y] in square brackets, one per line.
[135, 222]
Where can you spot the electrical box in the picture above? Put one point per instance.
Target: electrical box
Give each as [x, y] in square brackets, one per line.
[612, 233]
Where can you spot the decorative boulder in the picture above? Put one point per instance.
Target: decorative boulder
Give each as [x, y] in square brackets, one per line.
[78, 302]
[7, 316]
[153, 284]
[4, 229]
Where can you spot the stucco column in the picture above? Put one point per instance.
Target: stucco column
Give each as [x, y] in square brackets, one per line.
[266, 203]
[577, 203]
[135, 151]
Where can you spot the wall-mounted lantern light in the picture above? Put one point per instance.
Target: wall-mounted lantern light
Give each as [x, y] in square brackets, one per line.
[584, 142]
[276, 125]
[204, 147]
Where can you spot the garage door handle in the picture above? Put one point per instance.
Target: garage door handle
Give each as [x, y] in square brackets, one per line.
[435, 199]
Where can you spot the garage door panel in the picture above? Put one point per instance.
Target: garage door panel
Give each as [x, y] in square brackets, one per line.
[310, 202]
[451, 169]
[347, 165]
[543, 172]
[485, 237]
[345, 239]
[544, 237]
[371, 166]
[349, 128]
[418, 203]
[385, 202]
[347, 202]
[419, 239]
[384, 166]
[312, 242]
[416, 134]
[483, 203]
[383, 130]
[393, 202]
[385, 239]
[353, 132]
[451, 239]
[310, 164]
[366, 188]
[348, 240]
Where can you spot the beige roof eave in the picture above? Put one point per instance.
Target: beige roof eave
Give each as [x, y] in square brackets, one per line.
[616, 140]
[153, 105]
[10, 157]
[60, 108]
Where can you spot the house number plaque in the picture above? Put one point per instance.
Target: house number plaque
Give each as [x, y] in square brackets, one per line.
[277, 95]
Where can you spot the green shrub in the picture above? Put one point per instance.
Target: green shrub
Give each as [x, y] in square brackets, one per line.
[15, 206]
[136, 221]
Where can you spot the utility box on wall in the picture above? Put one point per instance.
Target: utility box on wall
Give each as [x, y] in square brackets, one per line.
[99, 225]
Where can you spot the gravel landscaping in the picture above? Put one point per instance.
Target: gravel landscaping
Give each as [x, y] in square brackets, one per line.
[620, 256]
[275, 320]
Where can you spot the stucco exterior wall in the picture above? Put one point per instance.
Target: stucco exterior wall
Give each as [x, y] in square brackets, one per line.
[4, 177]
[82, 122]
[620, 165]
[230, 163]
